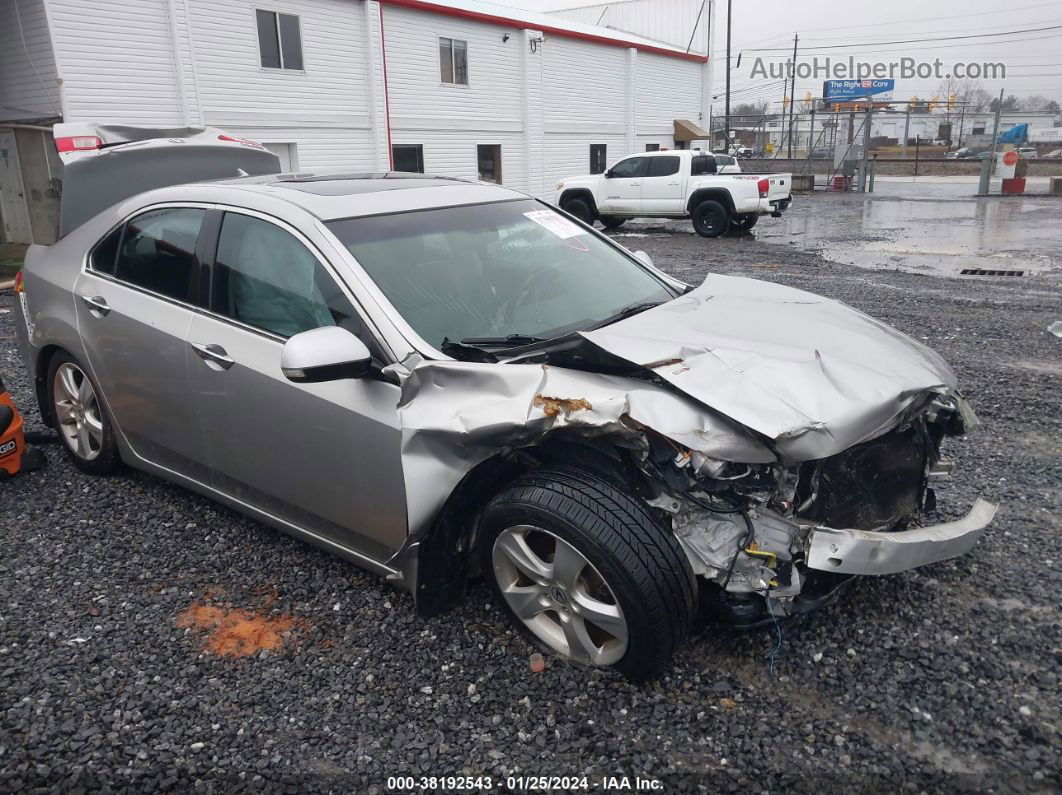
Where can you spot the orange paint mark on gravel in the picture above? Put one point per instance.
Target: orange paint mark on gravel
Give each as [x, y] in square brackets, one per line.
[232, 632]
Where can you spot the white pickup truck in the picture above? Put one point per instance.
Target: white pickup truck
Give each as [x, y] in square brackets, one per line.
[675, 184]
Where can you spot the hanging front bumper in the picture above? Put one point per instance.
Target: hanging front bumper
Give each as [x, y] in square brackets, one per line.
[865, 552]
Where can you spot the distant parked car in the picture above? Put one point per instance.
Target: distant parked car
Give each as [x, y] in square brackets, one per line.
[744, 152]
[971, 152]
[1027, 151]
[821, 153]
[951, 155]
[726, 164]
[941, 142]
[1054, 154]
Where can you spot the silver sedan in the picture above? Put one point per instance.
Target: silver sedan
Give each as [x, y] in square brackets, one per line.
[439, 379]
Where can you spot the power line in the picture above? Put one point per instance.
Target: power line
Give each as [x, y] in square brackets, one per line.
[918, 41]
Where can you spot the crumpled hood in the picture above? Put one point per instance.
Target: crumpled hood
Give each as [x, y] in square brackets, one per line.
[810, 373]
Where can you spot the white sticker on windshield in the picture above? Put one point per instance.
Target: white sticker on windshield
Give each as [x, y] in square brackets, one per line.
[557, 224]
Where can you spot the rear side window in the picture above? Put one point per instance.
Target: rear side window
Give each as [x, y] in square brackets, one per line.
[663, 166]
[106, 252]
[157, 252]
[266, 278]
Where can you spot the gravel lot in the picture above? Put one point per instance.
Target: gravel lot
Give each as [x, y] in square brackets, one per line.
[937, 680]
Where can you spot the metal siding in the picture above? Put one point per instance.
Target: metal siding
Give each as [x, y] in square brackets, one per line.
[667, 21]
[28, 86]
[666, 89]
[585, 83]
[116, 60]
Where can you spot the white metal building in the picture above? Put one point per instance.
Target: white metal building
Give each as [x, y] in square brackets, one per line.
[463, 87]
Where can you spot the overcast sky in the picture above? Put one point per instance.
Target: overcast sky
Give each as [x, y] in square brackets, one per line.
[1033, 59]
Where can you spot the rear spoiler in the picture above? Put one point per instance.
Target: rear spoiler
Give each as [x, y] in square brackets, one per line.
[106, 163]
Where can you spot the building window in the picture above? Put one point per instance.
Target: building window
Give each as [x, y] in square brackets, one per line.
[597, 158]
[453, 61]
[652, 147]
[682, 144]
[489, 158]
[279, 40]
[978, 131]
[408, 157]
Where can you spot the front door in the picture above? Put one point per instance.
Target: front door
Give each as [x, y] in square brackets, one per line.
[134, 306]
[662, 188]
[325, 457]
[13, 209]
[621, 188]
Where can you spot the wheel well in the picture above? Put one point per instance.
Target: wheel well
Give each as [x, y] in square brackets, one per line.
[446, 555]
[40, 383]
[578, 193]
[713, 194]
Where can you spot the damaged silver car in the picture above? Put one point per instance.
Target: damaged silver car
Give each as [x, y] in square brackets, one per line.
[439, 379]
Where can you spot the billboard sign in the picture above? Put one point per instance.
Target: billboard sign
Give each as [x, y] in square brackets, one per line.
[855, 90]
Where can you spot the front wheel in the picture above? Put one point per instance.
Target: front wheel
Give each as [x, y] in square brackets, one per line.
[743, 223]
[581, 209]
[587, 572]
[612, 222]
[710, 219]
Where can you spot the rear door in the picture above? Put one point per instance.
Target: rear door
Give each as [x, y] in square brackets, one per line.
[663, 186]
[325, 457]
[622, 187]
[134, 304]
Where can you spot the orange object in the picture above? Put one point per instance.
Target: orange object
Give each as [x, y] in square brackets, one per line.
[12, 439]
[1010, 158]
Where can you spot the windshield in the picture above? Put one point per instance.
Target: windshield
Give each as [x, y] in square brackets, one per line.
[495, 270]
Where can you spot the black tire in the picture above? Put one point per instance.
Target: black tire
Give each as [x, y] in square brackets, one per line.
[710, 219]
[612, 222]
[107, 460]
[745, 222]
[640, 561]
[581, 209]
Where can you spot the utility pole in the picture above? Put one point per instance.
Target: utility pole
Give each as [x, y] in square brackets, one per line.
[726, 111]
[906, 130]
[792, 97]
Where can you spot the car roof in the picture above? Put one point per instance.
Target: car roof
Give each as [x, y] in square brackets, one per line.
[333, 196]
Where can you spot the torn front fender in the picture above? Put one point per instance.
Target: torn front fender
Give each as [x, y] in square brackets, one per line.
[455, 414]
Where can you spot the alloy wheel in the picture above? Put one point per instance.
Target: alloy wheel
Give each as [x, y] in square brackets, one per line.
[559, 595]
[77, 411]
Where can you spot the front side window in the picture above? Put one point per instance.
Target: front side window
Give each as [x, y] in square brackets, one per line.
[488, 161]
[264, 277]
[157, 252]
[279, 40]
[453, 61]
[663, 166]
[597, 158]
[408, 157]
[492, 270]
[631, 167]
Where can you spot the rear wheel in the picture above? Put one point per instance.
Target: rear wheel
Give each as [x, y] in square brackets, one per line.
[612, 222]
[80, 418]
[710, 219]
[580, 208]
[587, 572]
[745, 222]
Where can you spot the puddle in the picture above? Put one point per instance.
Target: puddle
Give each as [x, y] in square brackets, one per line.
[236, 632]
[924, 228]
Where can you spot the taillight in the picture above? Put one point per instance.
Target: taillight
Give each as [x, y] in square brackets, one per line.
[78, 143]
[19, 286]
[243, 141]
[764, 185]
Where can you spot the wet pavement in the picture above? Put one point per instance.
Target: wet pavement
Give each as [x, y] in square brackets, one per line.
[930, 225]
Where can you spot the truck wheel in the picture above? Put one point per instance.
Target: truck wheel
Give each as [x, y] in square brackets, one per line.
[710, 219]
[587, 572]
[743, 223]
[580, 208]
[612, 222]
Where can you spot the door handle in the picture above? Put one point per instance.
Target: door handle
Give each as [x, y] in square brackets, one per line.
[214, 356]
[96, 303]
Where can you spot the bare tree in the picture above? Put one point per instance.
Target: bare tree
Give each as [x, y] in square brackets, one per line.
[1039, 102]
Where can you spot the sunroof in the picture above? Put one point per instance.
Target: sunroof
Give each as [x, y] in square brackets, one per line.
[350, 184]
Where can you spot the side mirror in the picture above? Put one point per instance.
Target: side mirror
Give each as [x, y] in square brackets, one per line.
[330, 353]
[643, 257]
[607, 174]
